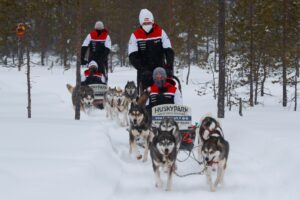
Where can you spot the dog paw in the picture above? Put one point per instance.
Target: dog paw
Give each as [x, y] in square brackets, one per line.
[139, 157]
[158, 185]
[145, 159]
[212, 189]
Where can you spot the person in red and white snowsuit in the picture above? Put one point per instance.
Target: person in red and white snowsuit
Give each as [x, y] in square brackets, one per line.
[96, 47]
[92, 75]
[149, 47]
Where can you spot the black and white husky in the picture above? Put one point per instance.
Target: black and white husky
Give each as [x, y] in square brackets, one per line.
[139, 129]
[209, 127]
[163, 153]
[130, 91]
[215, 152]
[169, 124]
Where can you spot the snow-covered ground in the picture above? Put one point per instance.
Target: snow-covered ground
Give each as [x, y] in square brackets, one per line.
[54, 157]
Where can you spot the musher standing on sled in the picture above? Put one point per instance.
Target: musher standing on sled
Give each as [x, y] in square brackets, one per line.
[97, 44]
[149, 47]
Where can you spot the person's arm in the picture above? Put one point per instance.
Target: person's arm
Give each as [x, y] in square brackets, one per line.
[133, 53]
[169, 53]
[107, 45]
[84, 49]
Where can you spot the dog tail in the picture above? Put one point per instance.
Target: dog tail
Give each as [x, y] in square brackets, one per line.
[70, 88]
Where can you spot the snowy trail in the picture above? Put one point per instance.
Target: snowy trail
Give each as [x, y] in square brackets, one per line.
[52, 156]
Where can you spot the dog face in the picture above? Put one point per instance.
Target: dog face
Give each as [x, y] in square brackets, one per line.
[109, 94]
[210, 150]
[165, 142]
[209, 123]
[130, 88]
[136, 114]
[119, 97]
[86, 95]
[169, 124]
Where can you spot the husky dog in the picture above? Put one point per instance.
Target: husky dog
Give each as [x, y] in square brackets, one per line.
[140, 128]
[215, 151]
[163, 152]
[121, 107]
[169, 124]
[209, 127]
[86, 95]
[108, 102]
[131, 91]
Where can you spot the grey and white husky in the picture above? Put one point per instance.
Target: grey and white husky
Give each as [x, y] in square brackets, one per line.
[215, 151]
[86, 96]
[130, 91]
[169, 124]
[139, 129]
[120, 104]
[209, 127]
[108, 102]
[163, 153]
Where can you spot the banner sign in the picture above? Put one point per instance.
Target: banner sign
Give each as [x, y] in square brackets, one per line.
[99, 90]
[181, 114]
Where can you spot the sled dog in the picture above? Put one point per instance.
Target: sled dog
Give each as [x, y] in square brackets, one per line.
[120, 104]
[169, 124]
[209, 127]
[86, 95]
[139, 129]
[130, 91]
[108, 102]
[215, 152]
[163, 153]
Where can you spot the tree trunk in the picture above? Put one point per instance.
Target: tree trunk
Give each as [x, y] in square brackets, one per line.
[296, 82]
[215, 57]
[19, 54]
[240, 107]
[43, 58]
[262, 86]
[222, 72]
[188, 55]
[28, 83]
[78, 78]
[256, 73]
[251, 54]
[284, 78]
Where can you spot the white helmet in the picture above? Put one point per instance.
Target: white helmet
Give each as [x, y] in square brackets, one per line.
[93, 64]
[99, 25]
[146, 16]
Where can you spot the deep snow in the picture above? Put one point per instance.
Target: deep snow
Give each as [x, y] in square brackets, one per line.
[52, 156]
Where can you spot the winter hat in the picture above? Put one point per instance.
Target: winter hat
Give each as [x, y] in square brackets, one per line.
[146, 16]
[159, 71]
[93, 64]
[99, 25]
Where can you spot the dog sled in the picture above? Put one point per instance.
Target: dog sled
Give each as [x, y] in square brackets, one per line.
[183, 116]
[99, 92]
